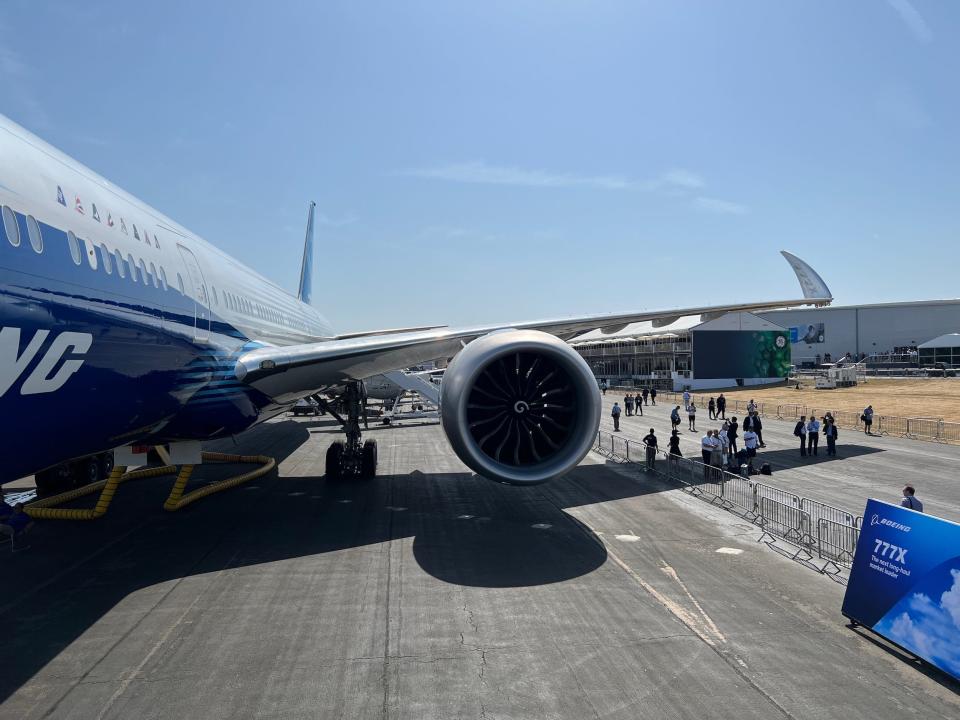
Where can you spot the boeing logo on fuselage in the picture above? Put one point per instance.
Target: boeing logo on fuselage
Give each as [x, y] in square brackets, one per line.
[877, 520]
[46, 376]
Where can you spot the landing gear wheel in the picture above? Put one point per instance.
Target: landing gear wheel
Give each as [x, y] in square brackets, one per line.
[334, 460]
[86, 471]
[106, 465]
[368, 459]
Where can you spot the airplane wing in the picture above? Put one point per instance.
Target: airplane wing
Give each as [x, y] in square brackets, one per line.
[290, 372]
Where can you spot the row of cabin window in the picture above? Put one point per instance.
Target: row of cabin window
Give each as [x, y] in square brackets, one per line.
[36, 242]
[236, 303]
[241, 304]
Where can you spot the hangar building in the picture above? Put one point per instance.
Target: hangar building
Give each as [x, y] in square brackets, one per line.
[668, 356]
[865, 329]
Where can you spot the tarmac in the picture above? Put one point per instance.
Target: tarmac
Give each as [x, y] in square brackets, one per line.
[429, 592]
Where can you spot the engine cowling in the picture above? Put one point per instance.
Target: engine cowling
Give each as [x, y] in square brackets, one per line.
[519, 406]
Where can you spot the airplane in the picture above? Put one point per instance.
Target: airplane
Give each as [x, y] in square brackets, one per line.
[120, 328]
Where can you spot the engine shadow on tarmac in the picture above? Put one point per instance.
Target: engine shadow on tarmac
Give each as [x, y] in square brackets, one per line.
[466, 530]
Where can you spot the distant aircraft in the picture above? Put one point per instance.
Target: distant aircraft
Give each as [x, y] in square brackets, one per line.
[108, 340]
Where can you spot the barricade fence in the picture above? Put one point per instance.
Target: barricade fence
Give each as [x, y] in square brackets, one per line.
[823, 530]
[935, 429]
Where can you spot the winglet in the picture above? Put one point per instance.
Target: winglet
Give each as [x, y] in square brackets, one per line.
[306, 268]
[813, 286]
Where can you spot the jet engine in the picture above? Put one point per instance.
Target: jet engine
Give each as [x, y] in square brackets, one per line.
[519, 406]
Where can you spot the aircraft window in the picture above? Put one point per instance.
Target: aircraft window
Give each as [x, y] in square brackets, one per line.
[143, 272]
[213, 291]
[10, 225]
[106, 259]
[153, 275]
[163, 277]
[120, 264]
[74, 246]
[133, 267]
[180, 284]
[91, 254]
[33, 230]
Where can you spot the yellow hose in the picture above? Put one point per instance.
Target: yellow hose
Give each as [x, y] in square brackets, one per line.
[45, 508]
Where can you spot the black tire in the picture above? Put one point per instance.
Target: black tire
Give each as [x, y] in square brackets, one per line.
[334, 457]
[106, 465]
[86, 471]
[368, 459]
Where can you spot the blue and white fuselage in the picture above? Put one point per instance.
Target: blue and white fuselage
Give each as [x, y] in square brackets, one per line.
[92, 278]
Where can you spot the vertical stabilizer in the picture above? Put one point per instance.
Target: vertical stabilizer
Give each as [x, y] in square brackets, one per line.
[306, 268]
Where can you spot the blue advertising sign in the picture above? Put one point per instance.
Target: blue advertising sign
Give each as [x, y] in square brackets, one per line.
[905, 582]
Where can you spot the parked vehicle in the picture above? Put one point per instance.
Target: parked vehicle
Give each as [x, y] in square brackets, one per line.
[306, 406]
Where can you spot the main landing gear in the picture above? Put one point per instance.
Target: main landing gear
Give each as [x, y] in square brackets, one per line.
[352, 457]
[74, 474]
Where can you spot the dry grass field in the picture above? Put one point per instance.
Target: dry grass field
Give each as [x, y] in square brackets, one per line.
[922, 397]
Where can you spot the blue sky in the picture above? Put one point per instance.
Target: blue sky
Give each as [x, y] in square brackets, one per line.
[487, 161]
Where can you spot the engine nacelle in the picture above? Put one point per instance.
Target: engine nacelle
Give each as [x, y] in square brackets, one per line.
[519, 406]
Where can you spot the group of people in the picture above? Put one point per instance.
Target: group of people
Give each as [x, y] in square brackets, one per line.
[633, 404]
[809, 433]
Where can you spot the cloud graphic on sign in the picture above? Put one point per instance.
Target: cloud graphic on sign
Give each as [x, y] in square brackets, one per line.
[928, 628]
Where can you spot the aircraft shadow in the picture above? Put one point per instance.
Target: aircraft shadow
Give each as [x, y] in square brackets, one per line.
[465, 529]
[791, 458]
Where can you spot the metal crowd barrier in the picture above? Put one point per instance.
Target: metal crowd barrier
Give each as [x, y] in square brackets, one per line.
[934, 429]
[816, 527]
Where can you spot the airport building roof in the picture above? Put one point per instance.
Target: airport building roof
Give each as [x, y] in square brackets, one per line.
[950, 340]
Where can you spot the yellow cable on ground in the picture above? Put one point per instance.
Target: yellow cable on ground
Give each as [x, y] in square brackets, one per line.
[177, 500]
[45, 508]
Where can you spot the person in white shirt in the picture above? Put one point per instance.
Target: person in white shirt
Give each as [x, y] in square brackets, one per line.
[686, 398]
[751, 443]
[724, 444]
[692, 416]
[706, 446]
[813, 435]
[909, 501]
[751, 407]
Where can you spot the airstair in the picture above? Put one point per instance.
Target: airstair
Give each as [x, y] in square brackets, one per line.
[414, 383]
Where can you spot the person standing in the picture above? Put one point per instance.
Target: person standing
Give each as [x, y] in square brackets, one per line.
[692, 416]
[628, 404]
[722, 406]
[646, 392]
[751, 406]
[638, 405]
[724, 445]
[830, 431]
[615, 414]
[651, 443]
[733, 435]
[750, 444]
[712, 408]
[800, 430]
[706, 447]
[758, 429]
[813, 434]
[603, 386]
[867, 418]
[675, 444]
[653, 396]
[909, 501]
[686, 398]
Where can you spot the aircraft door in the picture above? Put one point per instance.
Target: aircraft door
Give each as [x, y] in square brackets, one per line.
[201, 304]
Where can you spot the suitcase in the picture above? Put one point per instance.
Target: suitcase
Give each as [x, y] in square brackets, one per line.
[765, 469]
